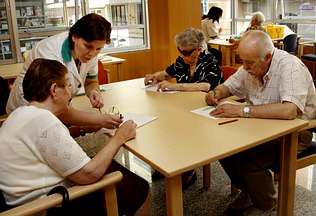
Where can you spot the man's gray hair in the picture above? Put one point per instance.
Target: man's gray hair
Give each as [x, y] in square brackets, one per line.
[190, 37]
[258, 17]
[260, 40]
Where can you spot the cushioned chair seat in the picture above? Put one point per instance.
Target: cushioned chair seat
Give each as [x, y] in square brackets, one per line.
[309, 57]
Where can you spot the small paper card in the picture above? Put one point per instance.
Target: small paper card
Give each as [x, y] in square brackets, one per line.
[205, 111]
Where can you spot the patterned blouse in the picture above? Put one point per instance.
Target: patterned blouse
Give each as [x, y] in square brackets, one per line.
[207, 70]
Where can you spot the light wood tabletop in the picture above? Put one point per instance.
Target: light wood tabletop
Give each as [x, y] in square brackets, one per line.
[10, 71]
[178, 140]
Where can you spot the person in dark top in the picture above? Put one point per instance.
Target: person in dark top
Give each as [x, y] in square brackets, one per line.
[195, 69]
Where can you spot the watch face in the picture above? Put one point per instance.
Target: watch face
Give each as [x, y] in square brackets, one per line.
[246, 110]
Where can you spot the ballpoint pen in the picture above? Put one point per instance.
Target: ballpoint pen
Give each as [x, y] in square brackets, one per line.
[228, 121]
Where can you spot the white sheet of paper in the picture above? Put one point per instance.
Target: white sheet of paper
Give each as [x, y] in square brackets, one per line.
[153, 88]
[139, 119]
[204, 111]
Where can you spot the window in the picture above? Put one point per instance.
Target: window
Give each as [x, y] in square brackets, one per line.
[299, 16]
[244, 10]
[129, 22]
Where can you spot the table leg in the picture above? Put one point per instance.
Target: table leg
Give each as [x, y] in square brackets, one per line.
[206, 176]
[287, 174]
[174, 196]
[226, 56]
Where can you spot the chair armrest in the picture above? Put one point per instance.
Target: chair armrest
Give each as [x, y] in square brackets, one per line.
[311, 124]
[46, 202]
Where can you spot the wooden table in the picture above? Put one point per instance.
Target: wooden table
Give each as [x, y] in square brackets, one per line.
[227, 50]
[10, 71]
[179, 140]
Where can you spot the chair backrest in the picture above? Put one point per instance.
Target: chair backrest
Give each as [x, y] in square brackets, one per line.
[216, 53]
[102, 74]
[290, 43]
[228, 71]
[40, 205]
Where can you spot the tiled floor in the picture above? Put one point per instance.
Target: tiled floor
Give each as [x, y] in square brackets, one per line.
[216, 200]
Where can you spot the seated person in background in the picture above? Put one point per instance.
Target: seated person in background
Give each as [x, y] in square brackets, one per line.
[256, 22]
[38, 152]
[194, 69]
[210, 23]
[276, 85]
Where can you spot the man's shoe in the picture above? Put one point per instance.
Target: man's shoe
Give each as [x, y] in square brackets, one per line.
[255, 211]
[239, 205]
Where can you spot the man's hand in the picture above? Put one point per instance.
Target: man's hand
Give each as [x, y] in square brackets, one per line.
[96, 99]
[210, 98]
[126, 132]
[111, 121]
[167, 86]
[228, 110]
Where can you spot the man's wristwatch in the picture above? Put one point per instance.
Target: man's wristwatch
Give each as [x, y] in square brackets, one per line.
[246, 111]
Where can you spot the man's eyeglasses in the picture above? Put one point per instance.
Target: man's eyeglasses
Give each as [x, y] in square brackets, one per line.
[186, 53]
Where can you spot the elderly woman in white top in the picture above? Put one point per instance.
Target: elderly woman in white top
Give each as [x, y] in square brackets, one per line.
[210, 22]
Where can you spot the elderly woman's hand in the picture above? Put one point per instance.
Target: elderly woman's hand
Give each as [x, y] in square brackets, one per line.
[150, 79]
[96, 99]
[167, 86]
[126, 132]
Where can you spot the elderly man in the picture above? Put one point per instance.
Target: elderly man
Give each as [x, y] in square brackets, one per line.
[276, 85]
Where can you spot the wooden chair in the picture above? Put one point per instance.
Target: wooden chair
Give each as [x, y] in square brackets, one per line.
[108, 183]
[103, 74]
[308, 156]
[310, 59]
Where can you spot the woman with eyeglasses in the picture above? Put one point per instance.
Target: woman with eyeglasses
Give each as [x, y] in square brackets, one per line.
[195, 69]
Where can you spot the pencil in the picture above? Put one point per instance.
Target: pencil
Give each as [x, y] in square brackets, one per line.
[228, 121]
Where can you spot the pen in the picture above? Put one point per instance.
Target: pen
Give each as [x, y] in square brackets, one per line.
[100, 110]
[228, 121]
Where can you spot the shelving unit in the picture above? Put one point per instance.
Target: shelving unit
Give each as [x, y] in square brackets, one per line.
[25, 23]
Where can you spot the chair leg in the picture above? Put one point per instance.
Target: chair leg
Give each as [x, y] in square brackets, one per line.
[111, 200]
[206, 176]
